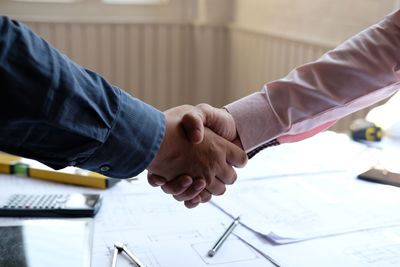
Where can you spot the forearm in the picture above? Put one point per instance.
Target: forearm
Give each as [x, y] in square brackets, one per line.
[356, 74]
[59, 113]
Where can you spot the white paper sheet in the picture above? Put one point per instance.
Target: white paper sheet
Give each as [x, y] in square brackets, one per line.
[372, 248]
[297, 208]
[328, 199]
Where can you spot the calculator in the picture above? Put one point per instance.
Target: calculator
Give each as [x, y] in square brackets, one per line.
[50, 205]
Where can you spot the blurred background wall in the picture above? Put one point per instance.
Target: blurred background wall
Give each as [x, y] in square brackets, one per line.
[193, 51]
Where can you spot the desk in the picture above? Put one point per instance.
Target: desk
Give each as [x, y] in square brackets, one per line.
[161, 232]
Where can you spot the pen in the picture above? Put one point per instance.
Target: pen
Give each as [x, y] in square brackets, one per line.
[222, 239]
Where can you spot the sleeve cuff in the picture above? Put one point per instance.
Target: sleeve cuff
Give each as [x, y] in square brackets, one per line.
[255, 120]
[132, 142]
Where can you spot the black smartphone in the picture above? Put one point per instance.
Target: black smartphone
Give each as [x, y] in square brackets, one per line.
[50, 205]
[381, 176]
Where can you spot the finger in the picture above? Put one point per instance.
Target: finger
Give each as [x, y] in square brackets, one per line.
[155, 180]
[235, 156]
[177, 185]
[197, 186]
[227, 174]
[205, 196]
[190, 204]
[216, 187]
[193, 126]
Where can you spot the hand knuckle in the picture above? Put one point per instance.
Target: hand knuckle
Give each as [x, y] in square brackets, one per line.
[202, 106]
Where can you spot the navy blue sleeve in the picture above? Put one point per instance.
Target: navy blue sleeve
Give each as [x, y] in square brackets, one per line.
[61, 114]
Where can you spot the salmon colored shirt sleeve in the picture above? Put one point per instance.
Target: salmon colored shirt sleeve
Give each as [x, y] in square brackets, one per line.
[360, 72]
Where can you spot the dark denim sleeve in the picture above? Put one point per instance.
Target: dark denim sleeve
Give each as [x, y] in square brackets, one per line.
[61, 114]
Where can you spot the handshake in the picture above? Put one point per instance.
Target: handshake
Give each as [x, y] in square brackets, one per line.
[196, 157]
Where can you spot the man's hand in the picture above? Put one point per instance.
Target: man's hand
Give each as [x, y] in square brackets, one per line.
[217, 119]
[211, 159]
[185, 188]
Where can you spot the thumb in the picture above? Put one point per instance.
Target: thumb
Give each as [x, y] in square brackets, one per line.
[219, 120]
[192, 123]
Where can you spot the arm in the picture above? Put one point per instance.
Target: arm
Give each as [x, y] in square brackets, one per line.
[358, 73]
[61, 114]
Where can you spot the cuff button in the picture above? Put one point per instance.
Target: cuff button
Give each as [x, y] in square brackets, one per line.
[105, 168]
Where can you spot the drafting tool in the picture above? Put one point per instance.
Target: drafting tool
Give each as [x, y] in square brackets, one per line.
[119, 247]
[24, 167]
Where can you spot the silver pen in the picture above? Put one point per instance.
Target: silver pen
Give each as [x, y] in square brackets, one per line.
[222, 239]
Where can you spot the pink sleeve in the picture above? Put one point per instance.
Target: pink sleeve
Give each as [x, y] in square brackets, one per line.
[360, 72]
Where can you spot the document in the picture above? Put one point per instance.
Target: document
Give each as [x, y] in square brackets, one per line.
[294, 208]
[325, 199]
[378, 247]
